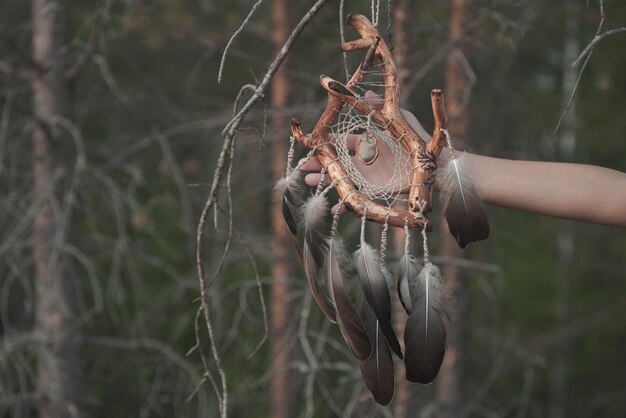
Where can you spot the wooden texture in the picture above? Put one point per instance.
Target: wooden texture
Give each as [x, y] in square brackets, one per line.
[423, 157]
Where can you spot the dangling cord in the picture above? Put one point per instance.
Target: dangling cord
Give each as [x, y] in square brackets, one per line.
[320, 185]
[333, 228]
[407, 237]
[343, 39]
[425, 240]
[383, 240]
[375, 12]
[363, 220]
[449, 142]
[389, 36]
[290, 153]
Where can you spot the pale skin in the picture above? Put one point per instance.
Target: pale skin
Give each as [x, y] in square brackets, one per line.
[563, 190]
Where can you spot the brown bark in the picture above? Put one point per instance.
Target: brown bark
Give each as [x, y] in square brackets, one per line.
[56, 284]
[450, 394]
[566, 242]
[402, 47]
[282, 267]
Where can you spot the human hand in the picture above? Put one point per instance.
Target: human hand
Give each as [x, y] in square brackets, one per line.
[379, 172]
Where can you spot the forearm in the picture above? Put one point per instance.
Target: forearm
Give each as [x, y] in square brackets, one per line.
[573, 191]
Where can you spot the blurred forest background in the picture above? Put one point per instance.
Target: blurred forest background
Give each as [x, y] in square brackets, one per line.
[111, 123]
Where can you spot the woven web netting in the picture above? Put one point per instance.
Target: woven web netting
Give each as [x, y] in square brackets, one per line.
[392, 178]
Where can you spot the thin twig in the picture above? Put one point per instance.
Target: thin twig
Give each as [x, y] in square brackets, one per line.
[232, 126]
[588, 49]
[225, 156]
[582, 68]
[232, 38]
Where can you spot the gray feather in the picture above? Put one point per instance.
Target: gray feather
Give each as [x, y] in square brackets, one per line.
[374, 285]
[377, 370]
[408, 270]
[289, 189]
[349, 321]
[311, 271]
[462, 206]
[425, 333]
[314, 212]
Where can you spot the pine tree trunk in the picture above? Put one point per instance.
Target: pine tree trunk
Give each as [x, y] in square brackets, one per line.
[451, 377]
[401, 47]
[56, 283]
[282, 267]
[565, 239]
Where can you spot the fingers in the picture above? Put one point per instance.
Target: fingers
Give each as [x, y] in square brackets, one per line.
[416, 125]
[310, 164]
[374, 99]
[313, 179]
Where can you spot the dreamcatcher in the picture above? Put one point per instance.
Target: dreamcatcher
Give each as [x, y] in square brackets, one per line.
[351, 134]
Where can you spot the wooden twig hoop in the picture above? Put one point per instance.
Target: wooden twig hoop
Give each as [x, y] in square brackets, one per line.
[423, 155]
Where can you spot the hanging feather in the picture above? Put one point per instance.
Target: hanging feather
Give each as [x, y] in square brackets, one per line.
[311, 272]
[315, 229]
[289, 189]
[462, 206]
[425, 333]
[315, 244]
[349, 321]
[377, 370]
[408, 270]
[374, 284]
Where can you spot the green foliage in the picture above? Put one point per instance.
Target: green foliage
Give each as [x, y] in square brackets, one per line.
[150, 113]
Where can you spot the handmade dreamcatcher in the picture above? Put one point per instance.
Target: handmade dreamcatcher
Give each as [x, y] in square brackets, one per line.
[354, 131]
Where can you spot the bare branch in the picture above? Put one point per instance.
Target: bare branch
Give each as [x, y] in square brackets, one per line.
[582, 68]
[225, 156]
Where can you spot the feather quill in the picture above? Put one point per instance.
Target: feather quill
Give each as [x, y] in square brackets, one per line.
[462, 206]
[374, 284]
[348, 319]
[314, 211]
[408, 270]
[377, 370]
[289, 189]
[425, 333]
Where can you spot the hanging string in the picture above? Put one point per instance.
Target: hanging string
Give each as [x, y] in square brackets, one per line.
[375, 12]
[389, 11]
[407, 236]
[333, 228]
[320, 185]
[449, 142]
[343, 38]
[383, 239]
[290, 154]
[425, 240]
[363, 220]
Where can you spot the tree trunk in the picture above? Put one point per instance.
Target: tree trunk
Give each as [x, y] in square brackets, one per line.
[565, 239]
[401, 47]
[56, 321]
[451, 377]
[282, 268]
